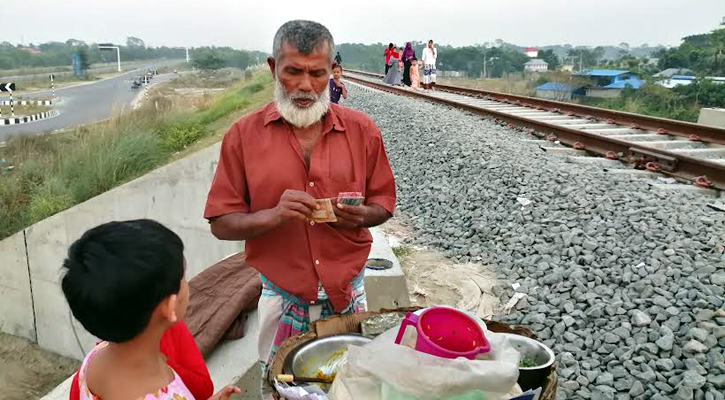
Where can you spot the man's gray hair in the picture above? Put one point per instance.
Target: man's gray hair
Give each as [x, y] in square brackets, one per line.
[305, 36]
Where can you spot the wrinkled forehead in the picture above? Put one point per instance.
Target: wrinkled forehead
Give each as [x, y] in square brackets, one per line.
[291, 56]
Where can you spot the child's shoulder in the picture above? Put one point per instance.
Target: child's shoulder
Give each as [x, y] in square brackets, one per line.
[83, 374]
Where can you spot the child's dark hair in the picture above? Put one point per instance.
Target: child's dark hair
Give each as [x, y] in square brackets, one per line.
[336, 65]
[117, 273]
[390, 46]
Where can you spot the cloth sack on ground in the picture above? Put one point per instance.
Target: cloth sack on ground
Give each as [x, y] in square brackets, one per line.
[383, 370]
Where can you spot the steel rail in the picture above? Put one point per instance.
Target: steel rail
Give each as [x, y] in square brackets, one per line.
[637, 121]
[702, 171]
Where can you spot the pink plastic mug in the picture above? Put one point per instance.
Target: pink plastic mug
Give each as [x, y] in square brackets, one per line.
[447, 333]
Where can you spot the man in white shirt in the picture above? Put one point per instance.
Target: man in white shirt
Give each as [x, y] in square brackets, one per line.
[429, 66]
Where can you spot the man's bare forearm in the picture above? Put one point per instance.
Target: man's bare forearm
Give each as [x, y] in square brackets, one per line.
[376, 215]
[243, 226]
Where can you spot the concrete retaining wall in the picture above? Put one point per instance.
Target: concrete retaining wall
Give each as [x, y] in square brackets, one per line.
[31, 302]
[712, 117]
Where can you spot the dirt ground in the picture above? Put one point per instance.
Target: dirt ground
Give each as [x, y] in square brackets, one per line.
[434, 279]
[28, 372]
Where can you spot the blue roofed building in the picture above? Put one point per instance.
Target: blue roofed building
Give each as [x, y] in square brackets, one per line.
[554, 91]
[607, 83]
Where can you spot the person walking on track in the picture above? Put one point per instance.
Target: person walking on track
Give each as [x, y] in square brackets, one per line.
[389, 52]
[408, 55]
[392, 76]
[430, 53]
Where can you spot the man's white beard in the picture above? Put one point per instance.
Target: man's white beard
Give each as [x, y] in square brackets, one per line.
[301, 117]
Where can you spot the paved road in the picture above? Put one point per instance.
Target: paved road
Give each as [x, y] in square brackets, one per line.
[82, 104]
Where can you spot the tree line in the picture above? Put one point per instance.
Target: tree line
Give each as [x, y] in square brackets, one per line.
[56, 54]
[704, 54]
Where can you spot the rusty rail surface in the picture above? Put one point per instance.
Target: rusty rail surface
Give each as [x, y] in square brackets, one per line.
[702, 171]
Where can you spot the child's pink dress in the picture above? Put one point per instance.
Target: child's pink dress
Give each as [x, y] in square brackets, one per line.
[176, 390]
[414, 75]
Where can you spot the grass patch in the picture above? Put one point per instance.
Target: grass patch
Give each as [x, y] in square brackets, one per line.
[402, 251]
[59, 82]
[55, 172]
[25, 110]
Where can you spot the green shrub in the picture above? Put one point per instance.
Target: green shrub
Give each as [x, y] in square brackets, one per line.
[107, 161]
[51, 198]
[179, 135]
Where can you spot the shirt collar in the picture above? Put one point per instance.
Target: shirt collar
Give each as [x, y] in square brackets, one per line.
[332, 120]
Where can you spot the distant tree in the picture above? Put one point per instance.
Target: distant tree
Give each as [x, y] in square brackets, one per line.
[598, 54]
[551, 58]
[132, 41]
[75, 43]
[85, 59]
[208, 61]
[624, 45]
[582, 57]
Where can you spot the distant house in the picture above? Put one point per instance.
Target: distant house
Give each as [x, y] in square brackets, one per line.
[568, 67]
[536, 65]
[30, 50]
[532, 52]
[684, 80]
[607, 83]
[670, 72]
[554, 91]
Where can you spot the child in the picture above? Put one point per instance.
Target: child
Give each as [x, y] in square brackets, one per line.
[124, 282]
[414, 75]
[183, 356]
[337, 88]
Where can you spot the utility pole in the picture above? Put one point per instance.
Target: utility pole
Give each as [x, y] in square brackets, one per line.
[187, 55]
[580, 61]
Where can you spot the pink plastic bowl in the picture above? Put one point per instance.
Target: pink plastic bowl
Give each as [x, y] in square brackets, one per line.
[447, 333]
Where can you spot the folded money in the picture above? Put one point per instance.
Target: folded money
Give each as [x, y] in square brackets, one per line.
[350, 198]
[325, 213]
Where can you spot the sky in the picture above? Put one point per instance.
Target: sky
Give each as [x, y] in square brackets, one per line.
[251, 24]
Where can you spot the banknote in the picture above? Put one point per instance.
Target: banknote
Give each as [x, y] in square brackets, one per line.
[325, 213]
[350, 198]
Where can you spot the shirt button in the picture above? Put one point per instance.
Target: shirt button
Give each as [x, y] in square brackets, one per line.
[312, 222]
[312, 184]
[317, 262]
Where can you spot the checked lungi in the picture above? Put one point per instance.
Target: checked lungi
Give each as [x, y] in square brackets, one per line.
[288, 315]
[429, 74]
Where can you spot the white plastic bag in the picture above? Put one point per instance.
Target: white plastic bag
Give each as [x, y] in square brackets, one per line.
[383, 370]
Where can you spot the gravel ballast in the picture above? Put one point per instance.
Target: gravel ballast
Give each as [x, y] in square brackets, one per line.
[623, 281]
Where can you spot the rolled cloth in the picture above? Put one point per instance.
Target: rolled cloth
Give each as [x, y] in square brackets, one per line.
[219, 299]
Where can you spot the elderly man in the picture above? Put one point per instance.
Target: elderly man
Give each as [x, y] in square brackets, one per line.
[275, 163]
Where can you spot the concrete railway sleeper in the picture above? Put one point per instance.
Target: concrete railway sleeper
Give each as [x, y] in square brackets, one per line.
[680, 149]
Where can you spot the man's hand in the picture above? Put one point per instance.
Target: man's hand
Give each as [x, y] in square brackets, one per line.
[350, 217]
[294, 204]
[225, 393]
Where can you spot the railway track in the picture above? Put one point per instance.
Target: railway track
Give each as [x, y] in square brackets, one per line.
[680, 149]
